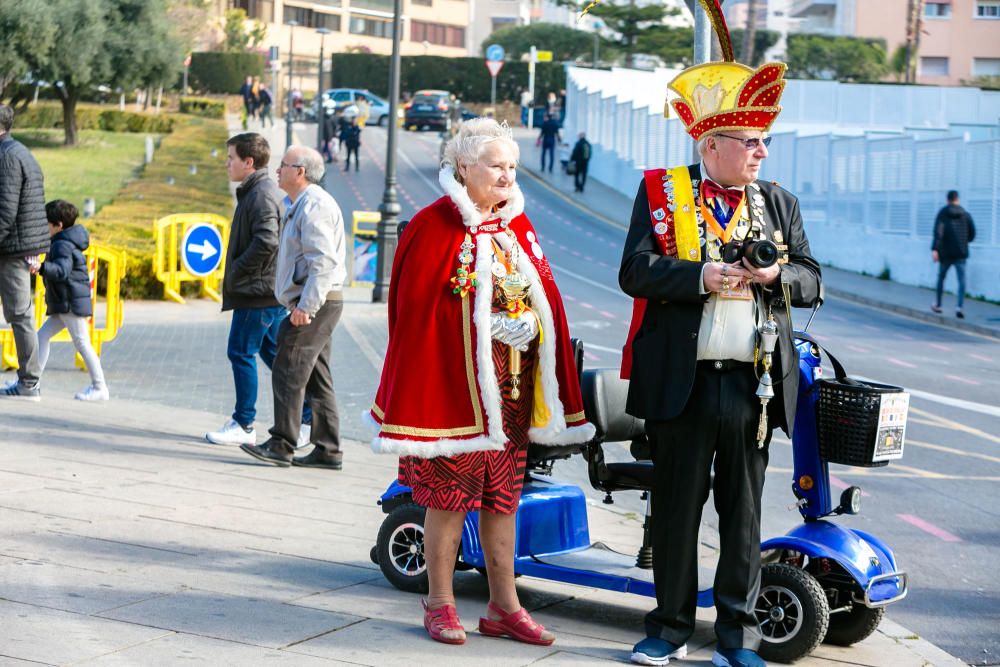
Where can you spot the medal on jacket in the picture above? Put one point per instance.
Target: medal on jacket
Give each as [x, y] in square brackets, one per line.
[511, 289]
[464, 281]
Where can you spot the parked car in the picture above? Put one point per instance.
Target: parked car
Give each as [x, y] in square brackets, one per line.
[341, 98]
[428, 108]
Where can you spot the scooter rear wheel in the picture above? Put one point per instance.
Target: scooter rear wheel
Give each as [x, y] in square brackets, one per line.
[850, 627]
[400, 548]
[792, 612]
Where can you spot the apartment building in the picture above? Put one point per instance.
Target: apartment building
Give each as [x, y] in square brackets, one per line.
[960, 39]
[772, 15]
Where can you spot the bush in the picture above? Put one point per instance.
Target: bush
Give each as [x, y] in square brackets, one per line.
[50, 116]
[216, 72]
[202, 106]
[467, 78]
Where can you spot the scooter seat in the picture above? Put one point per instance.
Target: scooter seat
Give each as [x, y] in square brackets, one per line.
[538, 454]
[604, 397]
[634, 475]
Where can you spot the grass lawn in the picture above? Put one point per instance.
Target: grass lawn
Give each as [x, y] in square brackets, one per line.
[99, 166]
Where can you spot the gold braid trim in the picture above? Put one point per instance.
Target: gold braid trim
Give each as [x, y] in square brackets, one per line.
[719, 25]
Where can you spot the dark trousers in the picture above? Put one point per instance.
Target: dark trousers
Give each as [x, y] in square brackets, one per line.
[347, 165]
[959, 265]
[717, 429]
[580, 176]
[19, 311]
[551, 152]
[302, 364]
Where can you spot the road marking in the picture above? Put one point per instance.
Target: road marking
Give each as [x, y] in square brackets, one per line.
[957, 426]
[939, 346]
[611, 350]
[608, 315]
[951, 450]
[366, 348]
[858, 348]
[900, 362]
[940, 533]
[592, 283]
[435, 187]
[979, 357]
[841, 484]
[586, 305]
[956, 378]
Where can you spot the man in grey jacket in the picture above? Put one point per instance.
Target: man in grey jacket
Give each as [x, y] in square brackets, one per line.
[24, 234]
[309, 280]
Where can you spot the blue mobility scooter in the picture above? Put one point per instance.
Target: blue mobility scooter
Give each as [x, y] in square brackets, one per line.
[820, 582]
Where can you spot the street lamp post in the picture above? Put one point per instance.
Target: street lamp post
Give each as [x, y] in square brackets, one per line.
[288, 97]
[320, 110]
[388, 230]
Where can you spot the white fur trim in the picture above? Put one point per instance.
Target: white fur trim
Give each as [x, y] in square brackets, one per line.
[487, 377]
[570, 436]
[472, 216]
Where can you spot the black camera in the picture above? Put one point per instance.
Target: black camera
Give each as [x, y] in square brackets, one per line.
[760, 253]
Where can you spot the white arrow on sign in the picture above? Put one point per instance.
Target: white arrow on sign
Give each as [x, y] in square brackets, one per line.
[205, 248]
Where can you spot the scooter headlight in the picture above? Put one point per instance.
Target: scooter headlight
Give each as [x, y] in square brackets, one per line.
[850, 501]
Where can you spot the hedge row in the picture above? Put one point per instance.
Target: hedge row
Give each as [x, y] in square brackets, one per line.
[217, 72]
[467, 78]
[203, 106]
[50, 116]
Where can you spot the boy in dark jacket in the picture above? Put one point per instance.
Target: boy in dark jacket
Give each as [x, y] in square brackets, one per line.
[351, 138]
[953, 232]
[67, 294]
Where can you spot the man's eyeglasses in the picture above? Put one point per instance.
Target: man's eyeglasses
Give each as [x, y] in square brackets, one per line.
[283, 164]
[750, 144]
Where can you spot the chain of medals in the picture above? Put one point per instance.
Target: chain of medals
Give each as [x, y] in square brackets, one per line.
[465, 280]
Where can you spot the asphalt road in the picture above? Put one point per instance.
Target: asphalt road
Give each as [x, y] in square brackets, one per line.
[937, 508]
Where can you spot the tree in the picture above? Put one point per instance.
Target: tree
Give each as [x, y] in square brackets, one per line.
[565, 43]
[850, 59]
[673, 45]
[238, 38]
[628, 21]
[762, 41]
[25, 27]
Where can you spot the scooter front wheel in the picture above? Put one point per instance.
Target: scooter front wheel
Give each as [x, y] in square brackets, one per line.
[792, 612]
[400, 548]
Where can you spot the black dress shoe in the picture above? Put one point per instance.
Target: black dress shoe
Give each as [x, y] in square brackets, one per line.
[319, 459]
[267, 455]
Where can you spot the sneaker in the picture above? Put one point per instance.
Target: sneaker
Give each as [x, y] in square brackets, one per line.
[656, 651]
[737, 657]
[18, 390]
[304, 432]
[232, 433]
[959, 314]
[93, 393]
[935, 308]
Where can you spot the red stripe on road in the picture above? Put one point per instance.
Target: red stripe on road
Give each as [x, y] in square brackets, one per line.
[939, 346]
[963, 380]
[608, 315]
[586, 305]
[900, 362]
[904, 336]
[979, 357]
[841, 484]
[930, 528]
[858, 348]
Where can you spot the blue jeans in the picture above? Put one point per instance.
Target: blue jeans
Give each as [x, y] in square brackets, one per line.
[959, 265]
[253, 332]
[551, 152]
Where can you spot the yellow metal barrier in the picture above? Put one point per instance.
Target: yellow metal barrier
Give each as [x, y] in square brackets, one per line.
[170, 270]
[114, 314]
[365, 236]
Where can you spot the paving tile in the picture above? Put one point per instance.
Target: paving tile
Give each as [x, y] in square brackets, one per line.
[242, 619]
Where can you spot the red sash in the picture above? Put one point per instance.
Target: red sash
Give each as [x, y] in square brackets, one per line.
[662, 220]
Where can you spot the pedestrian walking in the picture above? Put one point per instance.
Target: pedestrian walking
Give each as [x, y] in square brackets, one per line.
[68, 301]
[266, 100]
[248, 283]
[501, 306]
[330, 131]
[580, 157]
[364, 110]
[249, 100]
[310, 273]
[350, 136]
[24, 236]
[693, 352]
[548, 136]
[953, 232]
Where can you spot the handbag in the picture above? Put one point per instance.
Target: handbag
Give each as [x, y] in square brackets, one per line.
[571, 168]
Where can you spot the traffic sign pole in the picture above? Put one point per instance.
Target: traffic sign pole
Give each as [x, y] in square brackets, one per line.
[494, 66]
[531, 86]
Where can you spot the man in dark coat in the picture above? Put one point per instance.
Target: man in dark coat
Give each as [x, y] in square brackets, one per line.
[248, 285]
[696, 351]
[580, 157]
[953, 232]
[548, 137]
[350, 136]
[24, 234]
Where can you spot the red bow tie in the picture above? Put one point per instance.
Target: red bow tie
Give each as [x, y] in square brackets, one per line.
[711, 190]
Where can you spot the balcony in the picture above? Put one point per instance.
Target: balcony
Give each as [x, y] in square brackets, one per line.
[813, 8]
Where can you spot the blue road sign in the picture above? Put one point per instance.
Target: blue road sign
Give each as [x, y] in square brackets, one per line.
[494, 52]
[201, 250]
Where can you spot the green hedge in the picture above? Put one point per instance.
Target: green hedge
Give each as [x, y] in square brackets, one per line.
[203, 106]
[467, 78]
[217, 72]
[50, 116]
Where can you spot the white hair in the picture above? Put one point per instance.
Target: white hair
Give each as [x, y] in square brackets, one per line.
[311, 161]
[702, 145]
[467, 146]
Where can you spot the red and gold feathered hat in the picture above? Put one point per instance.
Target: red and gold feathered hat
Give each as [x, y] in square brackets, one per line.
[726, 96]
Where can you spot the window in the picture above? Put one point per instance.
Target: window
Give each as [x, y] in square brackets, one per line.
[425, 3]
[373, 27]
[503, 22]
[933, 66]
[986, 67]
[255, 9]
[988, 9]
[437, 33]
[937, 10]
[311, 19]
[380, 5]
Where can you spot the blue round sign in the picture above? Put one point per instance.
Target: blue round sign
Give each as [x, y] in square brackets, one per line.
[494, 52]
[201, 250]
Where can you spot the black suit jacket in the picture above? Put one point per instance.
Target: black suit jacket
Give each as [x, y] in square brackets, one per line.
[665, 348]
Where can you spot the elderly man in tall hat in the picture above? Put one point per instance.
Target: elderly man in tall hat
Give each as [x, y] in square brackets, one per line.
[715, 259]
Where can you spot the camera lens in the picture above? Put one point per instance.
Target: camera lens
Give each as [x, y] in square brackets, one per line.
[762, 254]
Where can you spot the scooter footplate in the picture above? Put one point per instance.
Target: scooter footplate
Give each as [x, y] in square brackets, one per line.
[599, 557]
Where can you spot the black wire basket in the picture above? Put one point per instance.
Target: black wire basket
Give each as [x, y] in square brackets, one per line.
[848, 422]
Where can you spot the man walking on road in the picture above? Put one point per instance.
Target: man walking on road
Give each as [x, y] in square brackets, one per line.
[953, 232]
[309, 281]
[24, 234]
[580, 157]
[548, 136]
[248, 285]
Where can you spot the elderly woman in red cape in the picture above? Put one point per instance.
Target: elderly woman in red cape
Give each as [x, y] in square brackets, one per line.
[479, 364]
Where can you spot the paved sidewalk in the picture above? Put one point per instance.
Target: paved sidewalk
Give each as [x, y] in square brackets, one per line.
[982, 317]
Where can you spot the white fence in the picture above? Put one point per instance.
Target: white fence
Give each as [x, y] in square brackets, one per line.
[869, 200]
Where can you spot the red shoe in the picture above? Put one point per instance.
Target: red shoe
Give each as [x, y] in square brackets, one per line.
[443, 618]
[518, 625]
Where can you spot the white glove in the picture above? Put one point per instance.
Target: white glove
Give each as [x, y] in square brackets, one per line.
[518, 332]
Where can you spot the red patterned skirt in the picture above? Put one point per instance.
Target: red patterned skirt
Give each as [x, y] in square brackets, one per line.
[489, 480]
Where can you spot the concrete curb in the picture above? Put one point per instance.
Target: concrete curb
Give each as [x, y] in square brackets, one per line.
[926, 650]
